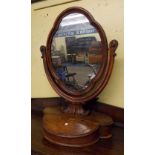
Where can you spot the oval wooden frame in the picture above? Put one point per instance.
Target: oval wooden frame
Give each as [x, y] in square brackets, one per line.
[101, 78]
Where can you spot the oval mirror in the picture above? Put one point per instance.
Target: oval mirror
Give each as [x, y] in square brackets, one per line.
[77, 60]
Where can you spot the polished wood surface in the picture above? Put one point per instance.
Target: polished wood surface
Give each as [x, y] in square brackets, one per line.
[68, 126]
[38, 104]
[113, 146]
[75, 130]
[79, 141]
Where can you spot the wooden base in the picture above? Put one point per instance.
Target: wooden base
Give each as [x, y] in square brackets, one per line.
[75, 130]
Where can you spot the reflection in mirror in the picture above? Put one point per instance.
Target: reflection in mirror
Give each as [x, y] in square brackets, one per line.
[76, 51]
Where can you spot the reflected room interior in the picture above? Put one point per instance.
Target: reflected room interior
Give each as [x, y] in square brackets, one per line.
[76, 51]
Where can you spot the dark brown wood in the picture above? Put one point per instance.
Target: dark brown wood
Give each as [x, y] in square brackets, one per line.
[39, 146]
[73, 141]
[103, 75]
[117, 114]
[75, 109]
[74, 130]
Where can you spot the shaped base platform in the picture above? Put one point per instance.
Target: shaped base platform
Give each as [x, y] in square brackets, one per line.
[75, 130]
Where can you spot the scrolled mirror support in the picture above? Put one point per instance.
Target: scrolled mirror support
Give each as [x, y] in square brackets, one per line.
[113, 46]
[42, 50]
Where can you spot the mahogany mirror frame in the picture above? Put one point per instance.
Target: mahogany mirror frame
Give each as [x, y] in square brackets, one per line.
[101, 79]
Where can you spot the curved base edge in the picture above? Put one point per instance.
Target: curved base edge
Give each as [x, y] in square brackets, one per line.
[96, 126]
[72, 142]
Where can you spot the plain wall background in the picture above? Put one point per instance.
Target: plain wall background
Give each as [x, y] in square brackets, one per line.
[109, 13]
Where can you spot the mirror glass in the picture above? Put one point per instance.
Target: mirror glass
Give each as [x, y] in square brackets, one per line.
[76, 51]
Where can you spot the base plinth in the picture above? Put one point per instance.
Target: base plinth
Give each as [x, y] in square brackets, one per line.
[75, 130]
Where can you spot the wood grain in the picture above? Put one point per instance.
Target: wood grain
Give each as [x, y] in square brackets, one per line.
[40, 146]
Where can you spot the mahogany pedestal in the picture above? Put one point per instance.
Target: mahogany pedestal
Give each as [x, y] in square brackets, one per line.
[75, 130]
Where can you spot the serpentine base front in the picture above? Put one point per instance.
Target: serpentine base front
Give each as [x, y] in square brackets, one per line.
[75, 130]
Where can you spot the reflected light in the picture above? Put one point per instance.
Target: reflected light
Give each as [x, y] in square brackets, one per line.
[73, 19]
[74, 22]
